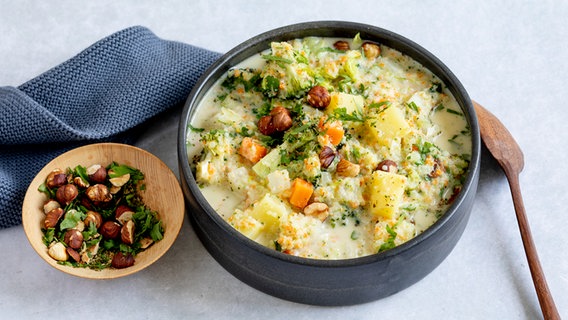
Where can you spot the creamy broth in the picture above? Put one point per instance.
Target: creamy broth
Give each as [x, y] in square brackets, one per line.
[430, 147]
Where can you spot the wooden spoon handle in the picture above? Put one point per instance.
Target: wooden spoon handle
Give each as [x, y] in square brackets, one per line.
[545, 299]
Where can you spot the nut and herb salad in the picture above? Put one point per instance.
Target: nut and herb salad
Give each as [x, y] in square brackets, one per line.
[329, 148]
[95, 217]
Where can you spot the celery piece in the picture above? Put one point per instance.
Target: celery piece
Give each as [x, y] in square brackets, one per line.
[269, 163]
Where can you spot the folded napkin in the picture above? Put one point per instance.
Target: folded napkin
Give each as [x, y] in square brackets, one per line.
[101, 94]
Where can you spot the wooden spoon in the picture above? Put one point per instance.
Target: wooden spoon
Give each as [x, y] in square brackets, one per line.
[507, 152]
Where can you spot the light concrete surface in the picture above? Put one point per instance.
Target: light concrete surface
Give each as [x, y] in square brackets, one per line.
[511, 56]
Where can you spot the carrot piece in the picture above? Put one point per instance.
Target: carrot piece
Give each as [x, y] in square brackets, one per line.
[252, 150]
[335, 132]
[301, 192]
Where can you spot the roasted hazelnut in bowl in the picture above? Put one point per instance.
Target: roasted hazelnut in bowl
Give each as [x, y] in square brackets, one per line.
[329, 163]
[103, 211]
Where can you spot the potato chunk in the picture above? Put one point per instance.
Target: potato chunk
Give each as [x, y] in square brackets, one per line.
[261, 221]
[388, 125]
[269, 210]
[385, 190]
[352, 103]
[246, 224]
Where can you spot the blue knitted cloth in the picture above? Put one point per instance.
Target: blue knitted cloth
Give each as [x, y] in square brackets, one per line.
[99, 95]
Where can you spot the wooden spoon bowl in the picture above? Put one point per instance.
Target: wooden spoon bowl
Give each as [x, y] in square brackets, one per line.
[162, 194]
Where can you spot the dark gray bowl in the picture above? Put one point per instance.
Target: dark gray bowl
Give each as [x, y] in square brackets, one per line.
[327, 282]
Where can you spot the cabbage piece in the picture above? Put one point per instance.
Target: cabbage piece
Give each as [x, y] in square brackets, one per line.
[287, 73]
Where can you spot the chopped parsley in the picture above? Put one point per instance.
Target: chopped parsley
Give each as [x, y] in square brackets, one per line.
[379, 105]
[354, 235]
[262, 110]
[389, 244]
[341, 114]
[270, 57]
[194, 129]
[270, 86]
[438, 107]
[413, 106]
[454, 112]
[236, 78]
[436, 87]
[453, 141]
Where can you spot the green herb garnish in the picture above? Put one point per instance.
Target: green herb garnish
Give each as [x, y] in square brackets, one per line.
[354, 235]
[413, 106]
[270, 57]
[81, 172]
[454, 112]
[379, 105]
[262, 110]
[194, 129]
[341, 114]
[72, 217]
[118, 170]
[436, 87]
[270, 86]
[389, 244]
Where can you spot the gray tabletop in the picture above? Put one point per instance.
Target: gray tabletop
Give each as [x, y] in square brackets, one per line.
[510, 56]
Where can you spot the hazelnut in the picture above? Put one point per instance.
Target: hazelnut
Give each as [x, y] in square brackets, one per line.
[145, 243]
[346, 168]
[326, 156]
[73, 238]
[110, 229]
[66, 194]
[52, 218]
[79, 182]
[97, 173]
[371, 50]
[114, 190]
[73, 254]
[123, 214]
[89, 253]
[387, 166]
[341, 45]
[56, 178]
[93, 217]
[120, 181]
[265, 125]
[59, 179]
[85, 202]
[98, 194]
[121, 260]
[58, 252]
[80, 226]
[317, 210]
[281, 119]
[319, 97]
[127, 232]
[50, 205]
[437, 169]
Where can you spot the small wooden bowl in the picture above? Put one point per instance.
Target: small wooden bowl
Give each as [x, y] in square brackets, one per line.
[163, 194]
